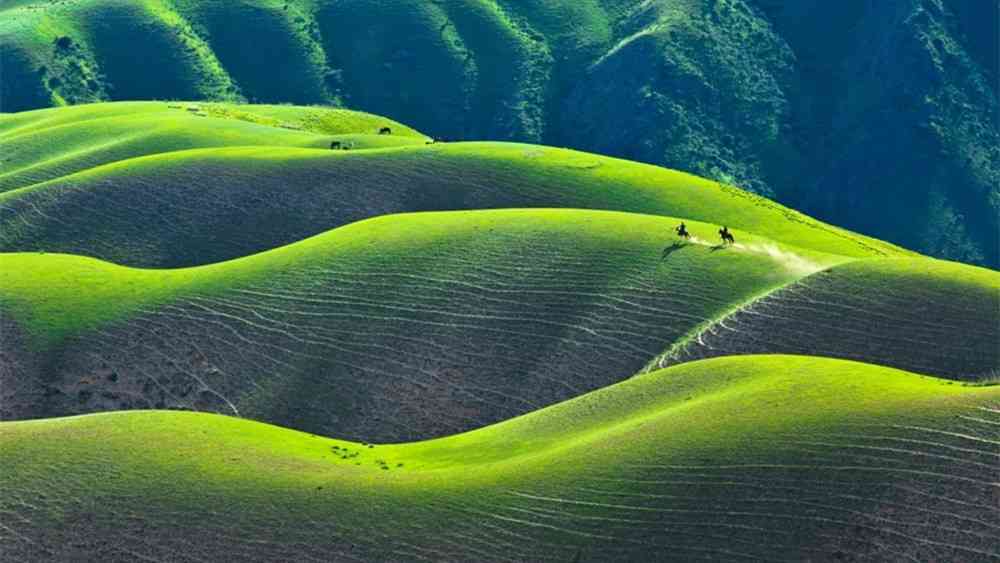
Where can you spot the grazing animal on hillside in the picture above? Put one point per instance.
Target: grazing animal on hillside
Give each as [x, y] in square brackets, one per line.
[727, 237]
[385, 131]
[336, 145]
[682, 231]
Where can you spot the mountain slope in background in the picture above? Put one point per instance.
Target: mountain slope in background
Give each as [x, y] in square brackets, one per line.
[877, 116]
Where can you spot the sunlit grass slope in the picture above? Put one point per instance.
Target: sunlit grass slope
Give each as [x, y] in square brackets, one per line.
[315, 119]
[918, 314]
[46, 144]
[398, 327]
[142, 212]
[749, 458]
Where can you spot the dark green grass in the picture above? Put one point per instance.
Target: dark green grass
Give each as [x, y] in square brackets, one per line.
[292, 52]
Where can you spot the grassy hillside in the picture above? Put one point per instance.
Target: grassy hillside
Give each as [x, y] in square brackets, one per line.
[47, 144]
[762, 458]
[398, 327]
[510, 325]
[457, 320]
[921, 315]
[82, 162]
[315, 119]
[842, 109]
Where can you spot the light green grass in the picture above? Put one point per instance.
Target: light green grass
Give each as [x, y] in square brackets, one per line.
[57, 295]
[668, 443]
[350, 184]
[370, 141]
[399, 327]
[46, 144]
[457, 308]
[315, 119]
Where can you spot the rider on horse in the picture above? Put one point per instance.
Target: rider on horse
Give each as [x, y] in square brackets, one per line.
[727, 237]
[682, 231]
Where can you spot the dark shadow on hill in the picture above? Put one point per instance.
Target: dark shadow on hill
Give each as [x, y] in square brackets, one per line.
[672, 248]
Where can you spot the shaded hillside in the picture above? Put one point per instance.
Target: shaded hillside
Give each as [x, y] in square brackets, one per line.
[752, 458]
[919, 315]
[840, 109]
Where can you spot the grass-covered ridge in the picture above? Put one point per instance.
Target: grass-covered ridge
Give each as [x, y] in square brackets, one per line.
[87, 162]
[733, 458]
[47, 144]
[479, 316]
[324, 120]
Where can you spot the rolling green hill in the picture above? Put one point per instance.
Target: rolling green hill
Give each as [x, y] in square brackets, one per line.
[840, 109]
[258, 188]
[457, 320]
[749, 458]
[399, 327]
[47, 144]
[478, 329]
[322, 120]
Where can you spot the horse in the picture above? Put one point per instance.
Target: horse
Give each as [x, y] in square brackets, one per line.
[682, 232]
[727, 237]
[385, 131]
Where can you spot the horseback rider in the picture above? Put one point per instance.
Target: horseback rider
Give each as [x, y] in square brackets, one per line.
[682, 231]
[727, 237]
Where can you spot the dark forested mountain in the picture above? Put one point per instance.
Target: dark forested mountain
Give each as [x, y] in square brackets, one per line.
[879, 116]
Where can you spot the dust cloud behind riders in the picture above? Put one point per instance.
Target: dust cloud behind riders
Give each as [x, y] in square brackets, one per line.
[791, 261]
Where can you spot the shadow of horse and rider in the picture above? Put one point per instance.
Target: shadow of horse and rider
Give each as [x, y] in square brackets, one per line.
[725, 235]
